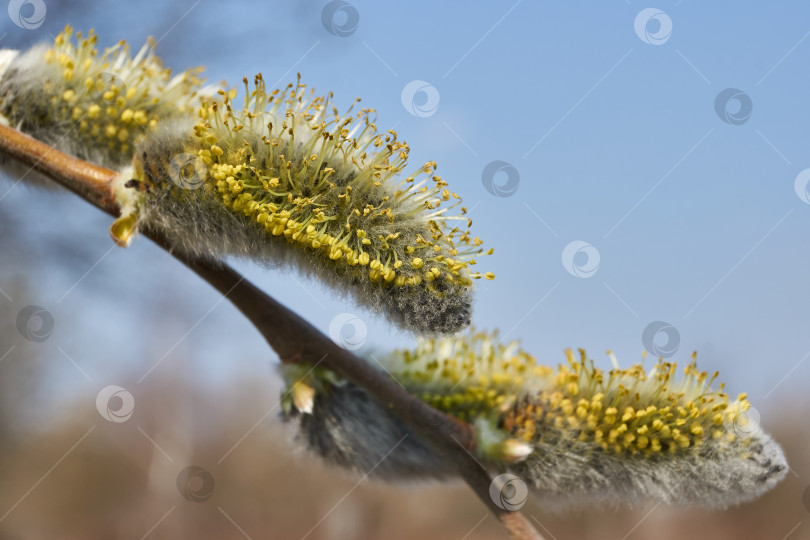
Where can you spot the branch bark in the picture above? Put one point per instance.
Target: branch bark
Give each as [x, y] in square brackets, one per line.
[293, 338]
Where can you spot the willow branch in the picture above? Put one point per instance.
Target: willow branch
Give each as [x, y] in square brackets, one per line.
[292, 337]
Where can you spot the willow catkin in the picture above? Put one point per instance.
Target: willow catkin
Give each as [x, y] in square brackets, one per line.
[573, 433]
[93, 106]
[286, 178]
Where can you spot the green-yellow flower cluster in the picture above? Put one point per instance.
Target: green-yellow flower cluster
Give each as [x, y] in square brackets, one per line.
[326, 190]
[572, 432]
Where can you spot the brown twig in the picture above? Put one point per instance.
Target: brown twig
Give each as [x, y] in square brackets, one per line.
[88, 181]
[288, 334]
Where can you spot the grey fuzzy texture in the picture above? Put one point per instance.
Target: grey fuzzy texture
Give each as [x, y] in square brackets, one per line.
[17, 86]
[197, 223]
[26, 104]
[348, 429]
[88, 103]
[711, 476]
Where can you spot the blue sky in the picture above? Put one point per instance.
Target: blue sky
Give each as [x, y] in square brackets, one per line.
[614, 134]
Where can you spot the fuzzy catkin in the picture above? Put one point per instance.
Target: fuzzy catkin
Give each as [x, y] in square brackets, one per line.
[574, 434]
[712, 476]
[93, 106]
[286, 179]
[344, 426]
[347, 429]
